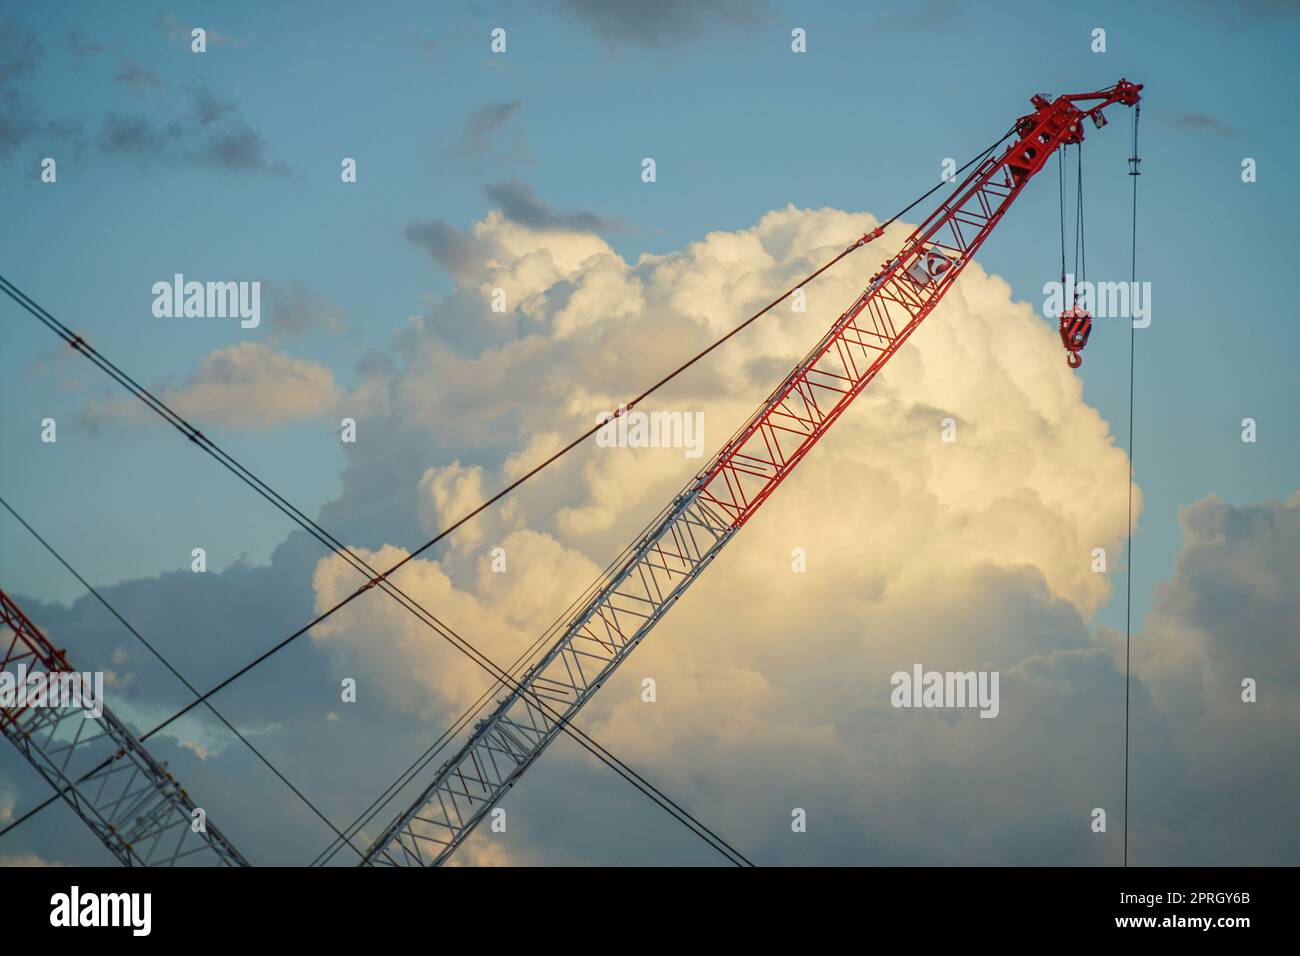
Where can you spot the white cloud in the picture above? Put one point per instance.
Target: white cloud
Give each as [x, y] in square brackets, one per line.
[973, 554]
[772, 686]
[1026, 481]
[25, 859]
[391, 652]
[247, 386]
[1230, 612]
[448, 493]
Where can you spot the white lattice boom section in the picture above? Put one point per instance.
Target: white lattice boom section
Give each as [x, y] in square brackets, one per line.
[136, 808]
[628, 605]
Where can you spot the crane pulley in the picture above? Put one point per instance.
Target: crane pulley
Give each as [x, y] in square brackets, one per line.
[1075, 321]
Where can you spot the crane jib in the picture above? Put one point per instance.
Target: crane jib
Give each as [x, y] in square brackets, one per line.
[699, 522]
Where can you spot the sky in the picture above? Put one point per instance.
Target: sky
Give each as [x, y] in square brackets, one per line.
[522, 170]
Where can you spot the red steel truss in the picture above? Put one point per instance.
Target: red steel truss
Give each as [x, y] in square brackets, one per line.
[622, 607]
[895, 302]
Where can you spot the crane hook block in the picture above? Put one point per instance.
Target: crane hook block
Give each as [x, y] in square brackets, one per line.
[1076, 326]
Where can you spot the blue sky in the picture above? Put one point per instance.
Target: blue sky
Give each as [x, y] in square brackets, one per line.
[737, 125]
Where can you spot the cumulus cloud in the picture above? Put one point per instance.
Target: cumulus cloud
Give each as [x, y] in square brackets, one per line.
[1041, 453]
[446, 245]
[504, 251]
[1230, 612]
[973, 554]
[1212, 777]
[772, 686]
[249, 385]
[521, 205]
[24, 859]
[396, 655]
[494, 854]
[447, 493]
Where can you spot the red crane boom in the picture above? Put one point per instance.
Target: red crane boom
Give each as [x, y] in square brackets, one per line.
[684, 539]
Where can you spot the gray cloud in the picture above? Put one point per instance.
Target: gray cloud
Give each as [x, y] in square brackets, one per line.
[16, 122]
[175, 31]
[448, 246]
[1267, 9]
[293, 309]
[262, 817]
[82, 45]
[480, 127]
[172, 28]
[882, 786]
[207, 109]
[131, 135]
[745, 730]
[135, 77]
[521, 205]
[925, 16]
[210, 132]
[667, 22]
[18, 125]
[19, 52]
[1203, 122]
[207, 131]
[1210, 778]
[241, 148]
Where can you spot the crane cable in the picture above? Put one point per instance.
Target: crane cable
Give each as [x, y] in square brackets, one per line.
[1060, 174]
[326, 538]
[175, 673]
[1080, 245]
[77, 342]
[430, 754]
[1134, 162]
[432, 751]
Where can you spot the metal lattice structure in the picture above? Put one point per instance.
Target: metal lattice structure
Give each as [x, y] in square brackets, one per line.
[136, 808]
[636, 594]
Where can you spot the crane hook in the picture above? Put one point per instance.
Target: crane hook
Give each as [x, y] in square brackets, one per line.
[1075, 326]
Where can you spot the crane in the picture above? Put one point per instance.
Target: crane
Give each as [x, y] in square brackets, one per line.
[137, 809]
[632, 597]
